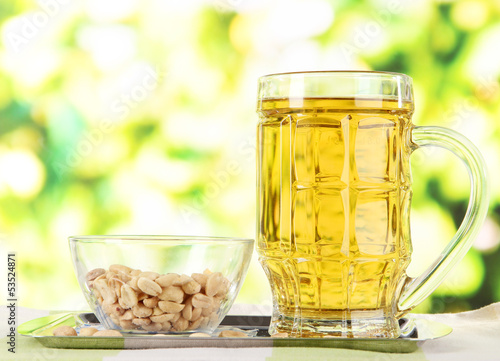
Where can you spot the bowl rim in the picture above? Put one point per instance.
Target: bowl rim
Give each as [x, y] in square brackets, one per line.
[157, 238]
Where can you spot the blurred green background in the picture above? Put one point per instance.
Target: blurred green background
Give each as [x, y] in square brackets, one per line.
[138, 117]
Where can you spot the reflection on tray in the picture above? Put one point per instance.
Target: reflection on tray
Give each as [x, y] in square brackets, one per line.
[413, 330]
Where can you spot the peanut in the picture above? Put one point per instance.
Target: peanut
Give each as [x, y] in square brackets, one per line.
[110, 274]
[101, 277]
[135, 272]
[149, 286]
[187, 312]
[128, 296]
[157, 311]
[151, 302]
[203, 321]
[214, 317]
[196, 313]
[170, 307]
[150, 275]
[216, 304]
[127, 324]
[141, 321]
[214, 284]
[119, 268]
[106, 292]
[64, 331]
[224, 288]
[141, 311]
[116, 285]
[122, 305]
[191, 287]
[128, 315]
[280, 334]
[200, 278]
[115, 319]
[153, 327]
[181, 324]
[232, 333]
[176, 317]
[172, 293]
[167, 280]
[183, 279]
[96, 292]
[199, 300]
[205, 312]
[113, 309]
[108, 333]
[166, 326]
[87, 331]
[163, 317]
[123, 277]
[195, 324]
[92, 275]
[133, 283]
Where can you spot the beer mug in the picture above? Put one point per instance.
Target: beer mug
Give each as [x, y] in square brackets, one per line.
[334, 193]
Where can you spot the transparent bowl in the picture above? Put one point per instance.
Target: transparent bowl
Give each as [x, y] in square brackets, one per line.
[160, 284]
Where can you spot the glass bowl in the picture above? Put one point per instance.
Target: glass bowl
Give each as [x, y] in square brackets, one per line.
[160, 284]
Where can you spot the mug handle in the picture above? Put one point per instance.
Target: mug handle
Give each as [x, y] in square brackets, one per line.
[417, 289]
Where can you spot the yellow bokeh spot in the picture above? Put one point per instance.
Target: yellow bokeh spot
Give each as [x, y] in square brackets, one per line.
[21, 172]
[470, 15]
[240, 33]
[431, 229]
[465, 278]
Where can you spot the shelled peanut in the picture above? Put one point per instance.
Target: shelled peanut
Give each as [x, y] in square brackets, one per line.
[152, 302]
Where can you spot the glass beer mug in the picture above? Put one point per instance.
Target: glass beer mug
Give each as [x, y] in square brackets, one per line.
[334, 192]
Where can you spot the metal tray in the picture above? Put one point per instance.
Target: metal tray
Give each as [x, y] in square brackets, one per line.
[414, 332]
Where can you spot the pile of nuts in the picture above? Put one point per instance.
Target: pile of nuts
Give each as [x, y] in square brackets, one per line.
[152, 302]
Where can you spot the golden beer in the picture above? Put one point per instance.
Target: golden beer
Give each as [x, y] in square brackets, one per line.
[334, 181]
